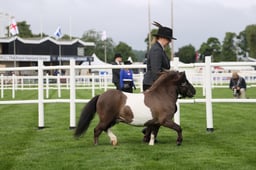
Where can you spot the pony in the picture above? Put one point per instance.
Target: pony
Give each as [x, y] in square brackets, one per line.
[153, 108]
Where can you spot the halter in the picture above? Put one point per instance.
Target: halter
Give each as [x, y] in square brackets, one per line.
[180, 96]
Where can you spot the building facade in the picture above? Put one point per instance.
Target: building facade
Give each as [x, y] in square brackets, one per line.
[19, 52]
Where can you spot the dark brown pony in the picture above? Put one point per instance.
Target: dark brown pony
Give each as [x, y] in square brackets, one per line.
[153, 108]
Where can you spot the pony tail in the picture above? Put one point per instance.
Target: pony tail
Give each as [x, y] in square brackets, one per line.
[86, 116]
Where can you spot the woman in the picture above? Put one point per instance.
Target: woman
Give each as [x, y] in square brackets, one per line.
[126, 79]
[157, 61]
[116, 72]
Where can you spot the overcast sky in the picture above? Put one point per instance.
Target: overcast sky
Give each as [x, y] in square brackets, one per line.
[127, 20]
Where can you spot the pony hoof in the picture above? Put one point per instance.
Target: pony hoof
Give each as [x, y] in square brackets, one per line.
[151, 144]
[114, 142]
[179, 143]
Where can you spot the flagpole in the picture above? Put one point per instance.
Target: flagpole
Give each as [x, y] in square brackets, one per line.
[104, 39]
[58, 35]
[105, 51]
[14, 50]
[70, 37]
[60, 54]
[172, 49]
[41, 27]
[149, 26]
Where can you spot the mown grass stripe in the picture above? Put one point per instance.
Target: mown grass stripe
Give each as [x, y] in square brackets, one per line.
[231, 145]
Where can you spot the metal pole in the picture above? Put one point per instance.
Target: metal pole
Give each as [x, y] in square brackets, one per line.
[149, 26]
[172, 43]
[105, 51]
[14, 51]
[60, 54]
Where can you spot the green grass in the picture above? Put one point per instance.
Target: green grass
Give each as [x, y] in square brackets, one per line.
[232, 145]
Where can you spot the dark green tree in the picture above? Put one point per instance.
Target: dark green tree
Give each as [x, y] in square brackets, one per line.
[24, 30]
[229, 52]
[66, 37]
[211, 48]
[101, 46]
[250, 34]
[125, 50]
[187, 54]
[241, 44]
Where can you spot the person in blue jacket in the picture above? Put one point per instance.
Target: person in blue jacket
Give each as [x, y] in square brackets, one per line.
[126, 79]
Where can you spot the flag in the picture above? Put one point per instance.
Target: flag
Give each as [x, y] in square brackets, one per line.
[58, 33]
[14, 28]
[103, 36]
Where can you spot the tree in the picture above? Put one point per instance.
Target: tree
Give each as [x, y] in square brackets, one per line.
[186, 54]
[211, 48]
[242, 45]
[229, 48]
[140, 55]
[66, 37]
[250, 34]
[125, 50]
[24, 30]
[99, 49]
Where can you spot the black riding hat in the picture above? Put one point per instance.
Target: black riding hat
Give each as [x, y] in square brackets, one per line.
[164, 32]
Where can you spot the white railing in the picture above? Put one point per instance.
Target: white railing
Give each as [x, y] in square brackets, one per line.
[41, 83]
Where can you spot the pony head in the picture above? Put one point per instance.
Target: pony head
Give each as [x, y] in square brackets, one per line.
[184, 87]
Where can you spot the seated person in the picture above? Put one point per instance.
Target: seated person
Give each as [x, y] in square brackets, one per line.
[238, 86]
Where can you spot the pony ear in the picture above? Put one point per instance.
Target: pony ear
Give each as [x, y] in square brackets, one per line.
[162, 72]
[182, 74]
[180, 77]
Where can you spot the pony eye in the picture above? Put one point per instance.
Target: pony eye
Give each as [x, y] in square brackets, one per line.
[183, 84]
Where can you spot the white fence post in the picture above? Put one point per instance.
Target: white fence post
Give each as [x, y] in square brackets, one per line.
[208, 92]
[58, 85]
[47, 85]
[105, 81]
[72, 82]
[22, 82]
[13, 86]
[40, 95]
[93, 85]
[177, 114]
[2, 86]
[141, 81]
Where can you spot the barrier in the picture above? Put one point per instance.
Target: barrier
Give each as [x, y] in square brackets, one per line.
[207, 88]
[71, 85]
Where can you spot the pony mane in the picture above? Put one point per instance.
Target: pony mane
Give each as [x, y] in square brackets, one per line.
[163, 78]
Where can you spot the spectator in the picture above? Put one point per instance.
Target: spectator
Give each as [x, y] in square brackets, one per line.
[116, 72]
[238, 86]
[126, 79]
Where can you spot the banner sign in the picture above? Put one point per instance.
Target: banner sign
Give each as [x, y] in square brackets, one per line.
[24, 57]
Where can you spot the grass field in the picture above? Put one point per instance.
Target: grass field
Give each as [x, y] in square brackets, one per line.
[232, 145]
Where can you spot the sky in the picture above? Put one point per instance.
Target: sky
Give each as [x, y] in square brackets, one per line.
[194, 21]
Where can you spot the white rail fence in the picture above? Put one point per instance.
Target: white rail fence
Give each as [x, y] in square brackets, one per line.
[206, 79]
